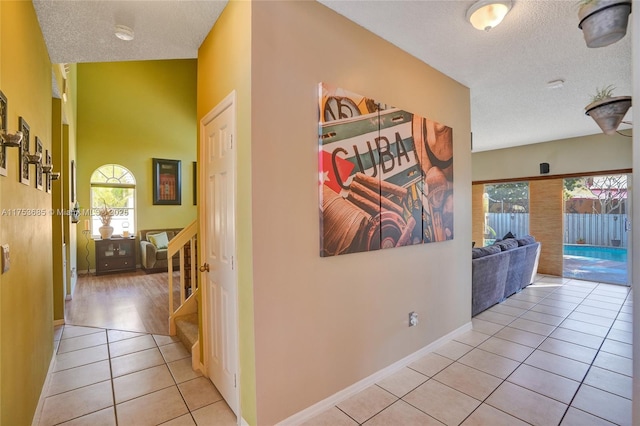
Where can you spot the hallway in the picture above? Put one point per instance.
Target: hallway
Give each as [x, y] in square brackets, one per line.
[112, 377]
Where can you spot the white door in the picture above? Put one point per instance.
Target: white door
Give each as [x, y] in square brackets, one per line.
[217, 223]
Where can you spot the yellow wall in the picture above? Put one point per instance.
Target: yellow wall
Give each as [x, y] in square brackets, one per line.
[26, 311]
[224, 61]
[322, 324]
[129, 113]
[57, 220]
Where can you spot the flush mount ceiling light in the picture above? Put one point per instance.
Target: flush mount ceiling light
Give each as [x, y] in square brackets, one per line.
[486, 14]
[124, 33]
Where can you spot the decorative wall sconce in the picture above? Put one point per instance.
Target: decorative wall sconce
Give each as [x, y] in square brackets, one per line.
[12, 141]
[47, 170]
[6, 139]
[35, 158]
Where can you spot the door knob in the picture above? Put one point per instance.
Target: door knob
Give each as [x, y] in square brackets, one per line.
[204, 267]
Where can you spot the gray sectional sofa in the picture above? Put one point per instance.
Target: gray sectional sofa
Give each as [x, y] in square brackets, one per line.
[502, 269]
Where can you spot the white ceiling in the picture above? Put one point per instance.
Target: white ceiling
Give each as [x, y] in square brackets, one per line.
[506, 69]
[83, 31]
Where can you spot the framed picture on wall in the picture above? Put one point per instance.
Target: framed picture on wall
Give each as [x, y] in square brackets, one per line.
[39, 179]
[3, 128]
[166, 182]
[24, 151]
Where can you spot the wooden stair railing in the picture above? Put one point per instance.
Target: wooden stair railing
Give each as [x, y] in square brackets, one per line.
[184, 243]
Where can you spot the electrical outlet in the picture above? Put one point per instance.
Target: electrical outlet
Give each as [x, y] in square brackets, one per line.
[413, 319]
[6, 261]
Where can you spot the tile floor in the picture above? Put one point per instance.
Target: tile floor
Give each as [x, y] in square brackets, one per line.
[557, 353]
[111, 377]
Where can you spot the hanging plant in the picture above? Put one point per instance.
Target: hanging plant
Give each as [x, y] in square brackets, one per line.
[603, 22]
[608, 110]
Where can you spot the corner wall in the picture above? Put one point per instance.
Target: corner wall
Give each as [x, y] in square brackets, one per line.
[129, 113]
[322, 324]
[26, 299]
[224, 65]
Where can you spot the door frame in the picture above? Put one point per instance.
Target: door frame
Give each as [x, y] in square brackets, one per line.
[228, 102]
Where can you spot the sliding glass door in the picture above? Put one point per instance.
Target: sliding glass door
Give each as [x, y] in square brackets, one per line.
[596, 227]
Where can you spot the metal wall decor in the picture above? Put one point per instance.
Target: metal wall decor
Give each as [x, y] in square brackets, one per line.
[39, 179]
[3, 130]
[46, 170]
[24, 151]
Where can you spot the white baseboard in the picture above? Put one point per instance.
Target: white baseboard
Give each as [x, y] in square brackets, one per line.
[45, 388]
[325, 404]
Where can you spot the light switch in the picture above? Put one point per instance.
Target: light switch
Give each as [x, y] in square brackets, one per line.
[5, 258]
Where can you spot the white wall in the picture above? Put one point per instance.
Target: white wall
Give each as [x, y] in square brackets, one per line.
[576, 155]
[322, 324]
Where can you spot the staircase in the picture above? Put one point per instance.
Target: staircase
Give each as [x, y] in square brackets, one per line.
[187, 329]
[183, 320]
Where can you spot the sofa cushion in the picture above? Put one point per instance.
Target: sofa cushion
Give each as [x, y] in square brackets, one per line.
[526, 240]
[484, 251]
[507, 244]
[161, 241]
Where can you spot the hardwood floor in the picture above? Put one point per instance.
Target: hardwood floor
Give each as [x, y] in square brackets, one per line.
[131, 301]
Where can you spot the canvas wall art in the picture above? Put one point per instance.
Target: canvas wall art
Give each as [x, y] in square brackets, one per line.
[385, 175]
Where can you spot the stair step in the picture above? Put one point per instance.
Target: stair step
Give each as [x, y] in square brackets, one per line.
[187, 329]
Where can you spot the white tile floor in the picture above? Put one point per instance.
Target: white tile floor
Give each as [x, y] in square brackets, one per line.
[111, 377]
[557, 353]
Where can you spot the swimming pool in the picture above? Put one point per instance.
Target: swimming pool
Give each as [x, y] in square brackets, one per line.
[619, 254]
[595, 263]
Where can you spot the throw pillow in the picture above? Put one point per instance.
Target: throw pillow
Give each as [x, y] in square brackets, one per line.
[526, 240]
[508, 235]
[507, 244]
[484, 251]
[159, 240]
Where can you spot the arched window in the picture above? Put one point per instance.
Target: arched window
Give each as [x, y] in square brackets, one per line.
[115, 187]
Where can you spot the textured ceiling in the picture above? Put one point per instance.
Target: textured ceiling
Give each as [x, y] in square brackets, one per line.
[83, 31]
[506, 69]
